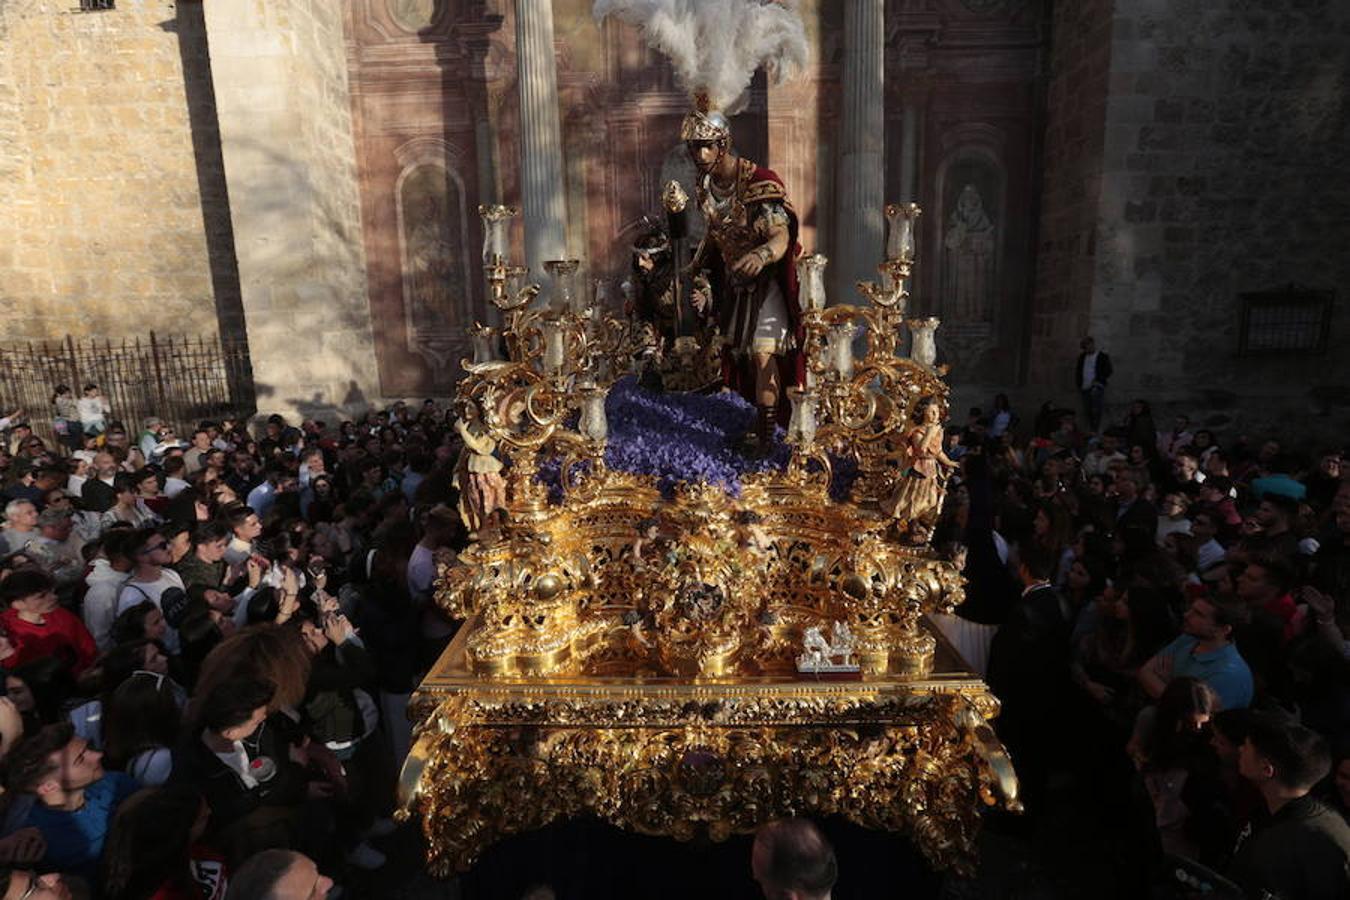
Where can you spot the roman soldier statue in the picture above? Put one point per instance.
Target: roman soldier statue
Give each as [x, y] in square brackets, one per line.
[748, 253]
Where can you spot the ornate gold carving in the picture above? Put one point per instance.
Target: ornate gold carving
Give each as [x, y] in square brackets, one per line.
[673, 197]
[632, 656]
[678, 761]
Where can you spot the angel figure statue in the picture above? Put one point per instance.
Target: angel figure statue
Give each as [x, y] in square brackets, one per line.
[478, 472]
[917, 498]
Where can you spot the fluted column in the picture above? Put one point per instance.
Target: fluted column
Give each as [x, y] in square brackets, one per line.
[542, 192]
[861, 177]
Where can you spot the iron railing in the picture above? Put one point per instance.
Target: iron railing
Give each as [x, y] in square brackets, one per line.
[180, 379]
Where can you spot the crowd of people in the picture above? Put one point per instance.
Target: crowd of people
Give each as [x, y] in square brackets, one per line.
[208, 641]
[1164, 615]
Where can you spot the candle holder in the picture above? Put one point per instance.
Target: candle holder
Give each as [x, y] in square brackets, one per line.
[592, 423]
[486, 344]
[839, 349]
[901, 220]
[563, 295]
[924, 347]
[496, 239]
[801, 430]
[811, 281]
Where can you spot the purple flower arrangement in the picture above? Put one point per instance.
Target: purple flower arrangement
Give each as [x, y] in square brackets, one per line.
[683, 437]
[678, 437]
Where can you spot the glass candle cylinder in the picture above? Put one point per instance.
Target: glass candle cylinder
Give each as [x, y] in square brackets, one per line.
[811, 278]
[496, 239]
[485, 345]
[555, 346]
[564, 289]
[901, 219]
[593, 424]
[923, 348]
[801, 429]
[839, 348]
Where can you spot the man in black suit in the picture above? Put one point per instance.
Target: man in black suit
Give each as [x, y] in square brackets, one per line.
[97, 494]
[1090, 374]
[1133, 512]
[1029, 672]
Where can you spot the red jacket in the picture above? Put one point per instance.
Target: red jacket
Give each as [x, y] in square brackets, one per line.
[60, 634]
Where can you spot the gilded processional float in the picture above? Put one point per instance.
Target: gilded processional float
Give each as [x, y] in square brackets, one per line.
[673, 632]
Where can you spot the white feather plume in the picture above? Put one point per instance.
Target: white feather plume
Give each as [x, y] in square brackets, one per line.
[716, 45]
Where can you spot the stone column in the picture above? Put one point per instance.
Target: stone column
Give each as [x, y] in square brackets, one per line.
[861, 176]
[542, 190]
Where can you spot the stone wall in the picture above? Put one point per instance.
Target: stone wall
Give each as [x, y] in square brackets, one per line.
[1222, 172]
[1080, 59]
[103, 230]
[284, 112]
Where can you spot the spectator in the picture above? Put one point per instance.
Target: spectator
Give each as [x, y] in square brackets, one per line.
[205, 563]
[1091, 373]
[1029, 668]
[245, 527]
[1205, 651]
[792, 860]
[279, 875]
[77, 471]
[441, 529]
[1204, 528]
[66, 420]
[65, 794]
[99, 492]
[25, 884]
[1172, 518]
[57, 548]
[1139, 429]
[93, 410]
[39, 690]
[155, 849]
[108, 573]
[1276, 515]
[38, 627]
[1170, 443]
[243, 764]
[174, 469]
[1303, 848]
[21, 525]
[1171, 749]
[141, 622]
[194, 456]
[151, 580]
[1133, 511]
[129, 506]
[1264, 587]
[277, 481]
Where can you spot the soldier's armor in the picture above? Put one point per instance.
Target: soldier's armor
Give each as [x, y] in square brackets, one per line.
[742, 221]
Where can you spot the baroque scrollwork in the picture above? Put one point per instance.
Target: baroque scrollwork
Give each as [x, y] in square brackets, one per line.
[631, 653]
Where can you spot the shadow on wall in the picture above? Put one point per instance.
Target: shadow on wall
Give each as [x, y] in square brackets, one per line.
[316, 407]
[189, 26]
[295, 217]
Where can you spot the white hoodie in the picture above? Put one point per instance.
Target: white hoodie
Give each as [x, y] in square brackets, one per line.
[100, 601]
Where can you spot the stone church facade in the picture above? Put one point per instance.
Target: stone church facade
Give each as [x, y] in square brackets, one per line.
[305, 174]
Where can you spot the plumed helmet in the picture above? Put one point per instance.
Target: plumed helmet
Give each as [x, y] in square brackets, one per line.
[705, 126]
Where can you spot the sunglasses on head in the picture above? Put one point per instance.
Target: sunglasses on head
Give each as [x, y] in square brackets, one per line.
[142, 673]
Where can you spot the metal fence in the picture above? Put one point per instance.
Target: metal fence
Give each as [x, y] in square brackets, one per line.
[180, 379]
